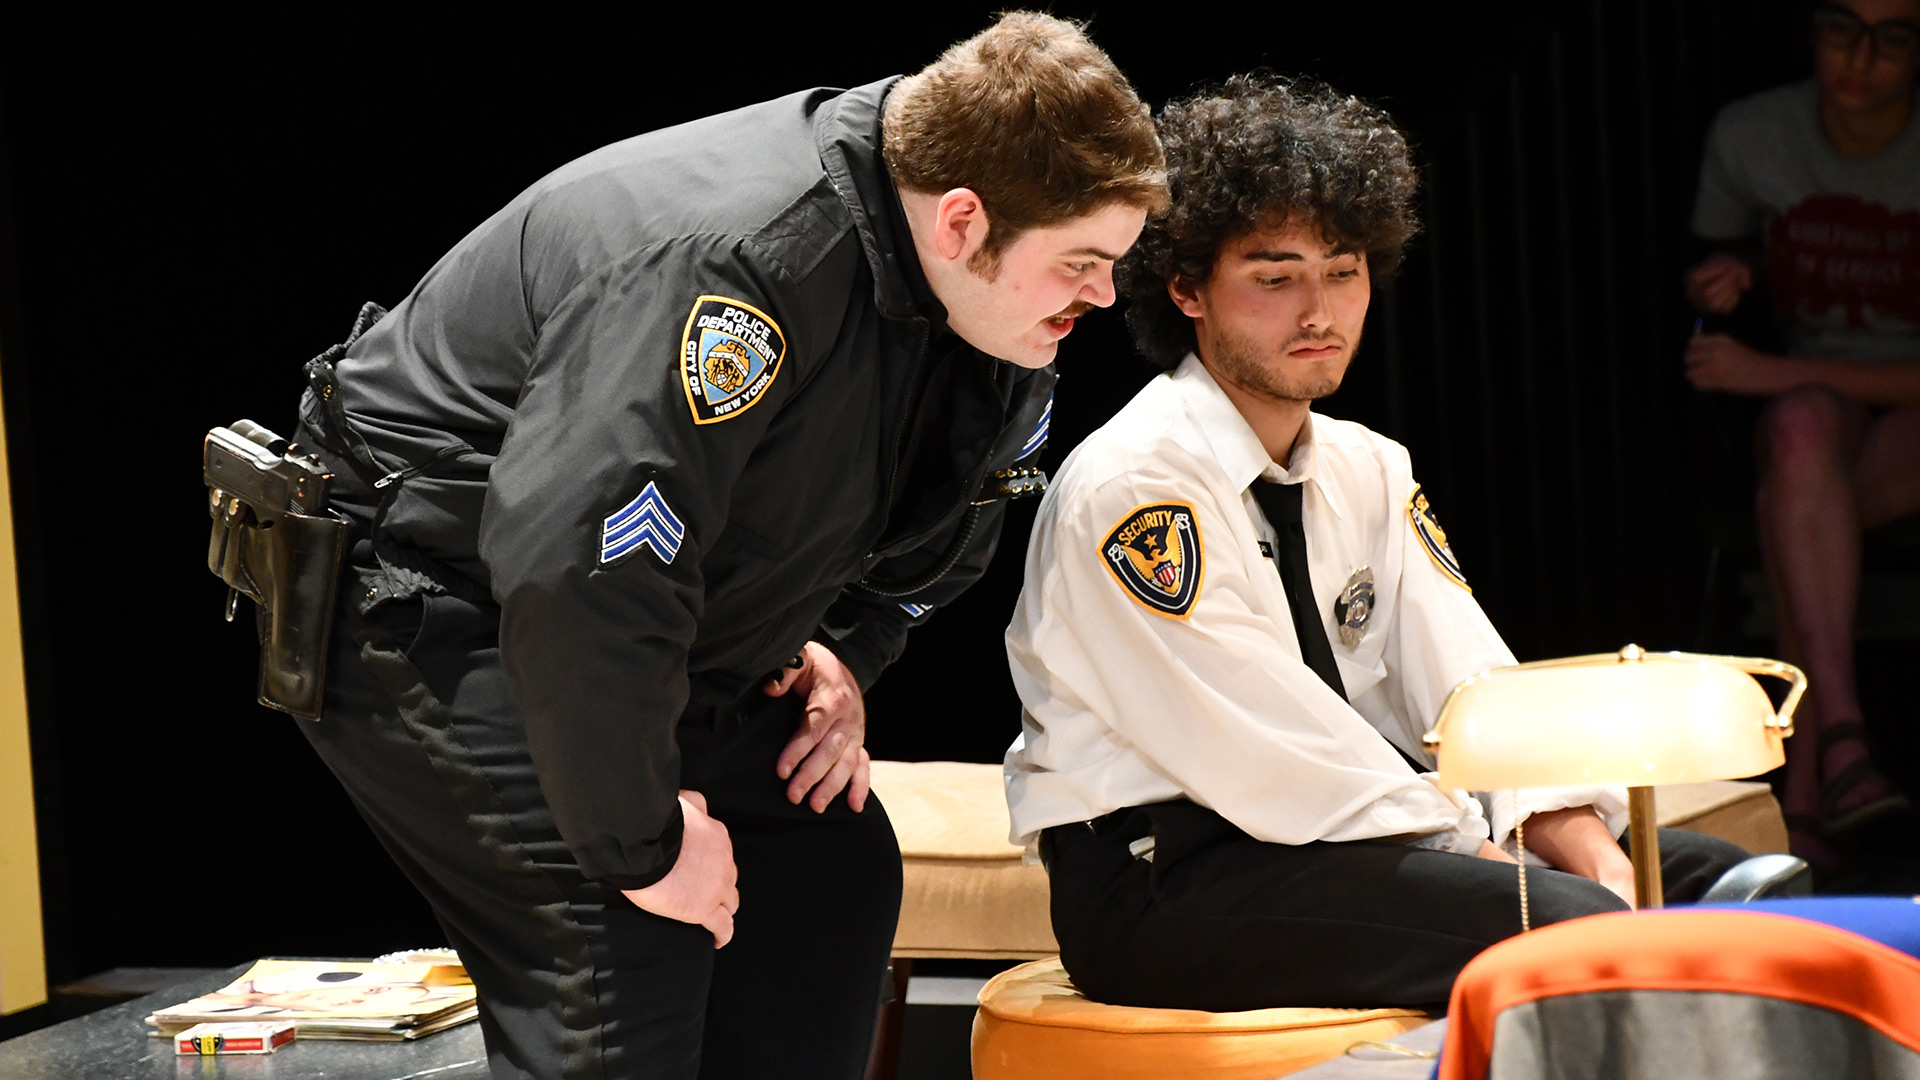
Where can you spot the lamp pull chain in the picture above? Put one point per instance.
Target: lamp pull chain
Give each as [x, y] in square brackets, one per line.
[1520, 850]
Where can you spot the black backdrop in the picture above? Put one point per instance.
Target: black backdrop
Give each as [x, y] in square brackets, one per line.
[193, 207]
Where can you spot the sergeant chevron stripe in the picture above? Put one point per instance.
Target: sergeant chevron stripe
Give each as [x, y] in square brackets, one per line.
[1039, 437]
[646, 520]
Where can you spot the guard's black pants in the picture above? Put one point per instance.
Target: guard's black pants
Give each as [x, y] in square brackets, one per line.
[1230, 923]
[574, 980]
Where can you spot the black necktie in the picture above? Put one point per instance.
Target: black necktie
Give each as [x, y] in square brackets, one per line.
[1281, 504]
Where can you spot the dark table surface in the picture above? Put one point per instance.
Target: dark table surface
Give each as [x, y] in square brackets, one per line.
[113, 1044]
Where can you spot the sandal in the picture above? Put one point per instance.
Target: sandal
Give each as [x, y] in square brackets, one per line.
[1861, 773]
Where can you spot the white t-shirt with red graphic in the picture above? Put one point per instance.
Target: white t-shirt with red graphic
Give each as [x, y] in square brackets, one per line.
[1842, 234]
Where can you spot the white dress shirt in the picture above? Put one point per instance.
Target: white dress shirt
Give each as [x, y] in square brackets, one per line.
[1128, 702]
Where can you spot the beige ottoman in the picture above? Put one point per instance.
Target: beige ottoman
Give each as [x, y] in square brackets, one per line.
[967, 894]
[1743, 812]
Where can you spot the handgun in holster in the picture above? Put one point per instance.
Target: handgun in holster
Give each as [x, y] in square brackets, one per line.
[276, 542]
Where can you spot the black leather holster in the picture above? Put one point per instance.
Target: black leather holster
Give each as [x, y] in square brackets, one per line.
[275, 542]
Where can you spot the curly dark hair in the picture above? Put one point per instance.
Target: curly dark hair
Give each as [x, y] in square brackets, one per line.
[1251, 153]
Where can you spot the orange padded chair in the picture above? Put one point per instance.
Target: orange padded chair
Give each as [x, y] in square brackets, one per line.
[1033, 1025]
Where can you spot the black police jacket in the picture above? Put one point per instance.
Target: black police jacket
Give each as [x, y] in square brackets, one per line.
[705, 393]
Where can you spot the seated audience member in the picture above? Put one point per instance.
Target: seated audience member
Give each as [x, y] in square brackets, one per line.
[1240, 616]
[1817, 184]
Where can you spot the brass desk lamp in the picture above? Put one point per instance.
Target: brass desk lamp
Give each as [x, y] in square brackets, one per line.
[1633, 717]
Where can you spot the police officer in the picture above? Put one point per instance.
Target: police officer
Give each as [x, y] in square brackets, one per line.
[733, 398]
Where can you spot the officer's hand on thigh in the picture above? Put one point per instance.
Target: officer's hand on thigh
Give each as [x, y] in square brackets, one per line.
[828, 753]
[704, 885]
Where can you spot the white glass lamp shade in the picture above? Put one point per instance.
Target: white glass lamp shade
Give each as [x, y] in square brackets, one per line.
[1633, 718]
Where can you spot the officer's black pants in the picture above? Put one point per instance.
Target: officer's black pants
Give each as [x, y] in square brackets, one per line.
[1241, 924]
[574, 980]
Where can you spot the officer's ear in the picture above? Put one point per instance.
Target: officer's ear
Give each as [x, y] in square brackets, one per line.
[959, 225]
[1185, 296]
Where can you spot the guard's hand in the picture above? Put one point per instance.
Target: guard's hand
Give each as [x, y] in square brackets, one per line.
[1577, 841]
[1618, 879]
[1721, 362]
[1717, 284]
[1493, 854]
[704, 885]
[828, 752]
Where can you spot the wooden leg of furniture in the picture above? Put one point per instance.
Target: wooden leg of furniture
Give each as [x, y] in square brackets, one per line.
[885, 1063]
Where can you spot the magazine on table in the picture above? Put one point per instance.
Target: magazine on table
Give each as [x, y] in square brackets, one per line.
[335, 999]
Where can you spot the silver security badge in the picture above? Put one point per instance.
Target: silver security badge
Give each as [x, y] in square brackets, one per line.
[1354, 606]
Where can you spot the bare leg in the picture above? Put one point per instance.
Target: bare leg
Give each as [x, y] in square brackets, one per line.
[1886, 488]
[1802, 803]
[1887, 474]
[1810, 535]
[1827, 471]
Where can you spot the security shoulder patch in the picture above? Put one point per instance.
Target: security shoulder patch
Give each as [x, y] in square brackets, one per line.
[729, 355]
[647, 520]
[1434, 538]
[1154, 553]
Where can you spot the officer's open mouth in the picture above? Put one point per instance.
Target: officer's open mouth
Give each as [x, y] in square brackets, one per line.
[1072, 312]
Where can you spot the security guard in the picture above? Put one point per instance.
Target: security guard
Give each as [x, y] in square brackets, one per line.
[739, 397]
[1240, 616]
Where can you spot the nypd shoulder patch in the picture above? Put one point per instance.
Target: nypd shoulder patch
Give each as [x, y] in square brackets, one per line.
[730, 352]
[646, 520]
[1154, 554]
[1434, 538]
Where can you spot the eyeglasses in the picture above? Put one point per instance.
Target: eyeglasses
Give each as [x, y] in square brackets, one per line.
[1835, 27]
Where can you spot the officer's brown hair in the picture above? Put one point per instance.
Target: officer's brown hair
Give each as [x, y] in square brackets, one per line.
[1032, 117]
[1255, 151]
